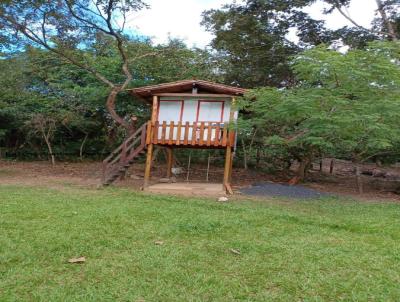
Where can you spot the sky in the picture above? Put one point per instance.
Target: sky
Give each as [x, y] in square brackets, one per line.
[181, 18]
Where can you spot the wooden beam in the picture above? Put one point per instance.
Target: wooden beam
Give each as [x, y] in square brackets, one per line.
[231, 168]
[197, 95]
[228, 157]
[229, 154]
[154, 110]
[170, 159]
[147, 171]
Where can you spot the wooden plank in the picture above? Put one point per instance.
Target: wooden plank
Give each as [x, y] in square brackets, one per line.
[147, 170]
[154, 110]
[231, 138]
[217, 133]
[224, 135]
[163, 132]
[148, 133]
[197, 95]
[155, 132]
[232, 123]
[230, 168]
[185, 140]
[201, 141]
[209, 131]
[194, 133]
[171, 133]
[170, 157]
[178, 133]
[227, 167]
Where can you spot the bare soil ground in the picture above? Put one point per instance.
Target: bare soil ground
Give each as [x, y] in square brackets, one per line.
[88, 174]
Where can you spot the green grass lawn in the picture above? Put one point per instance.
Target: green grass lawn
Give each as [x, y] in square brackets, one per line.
[326, 250]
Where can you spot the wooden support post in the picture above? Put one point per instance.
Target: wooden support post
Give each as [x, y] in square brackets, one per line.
[231, 168]
[147, 171]
[170, 159]
[149, 156]
[228, 157]
[229, 153]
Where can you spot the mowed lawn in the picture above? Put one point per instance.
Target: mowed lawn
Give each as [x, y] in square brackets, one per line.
[321, 250]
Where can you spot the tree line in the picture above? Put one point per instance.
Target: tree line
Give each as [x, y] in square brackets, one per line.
[65, 66]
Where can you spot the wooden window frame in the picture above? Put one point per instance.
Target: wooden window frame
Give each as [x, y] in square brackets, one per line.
[211, 101]
[180, 114]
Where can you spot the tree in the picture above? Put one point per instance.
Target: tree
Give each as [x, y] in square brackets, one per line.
[44, 126]
[67, 27]
[344, 105]
[251, 40]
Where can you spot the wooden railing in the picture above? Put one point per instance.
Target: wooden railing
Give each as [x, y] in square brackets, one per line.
[202, 134]
[121, 157]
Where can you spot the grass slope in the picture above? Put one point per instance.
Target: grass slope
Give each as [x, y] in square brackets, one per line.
[328, 250]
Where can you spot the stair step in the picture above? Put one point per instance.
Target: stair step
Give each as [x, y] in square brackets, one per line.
[119, 168]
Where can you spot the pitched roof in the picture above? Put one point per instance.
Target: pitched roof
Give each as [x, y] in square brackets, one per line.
[184, 86]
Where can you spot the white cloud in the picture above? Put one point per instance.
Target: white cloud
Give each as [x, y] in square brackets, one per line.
[177, 18]
[181, 18]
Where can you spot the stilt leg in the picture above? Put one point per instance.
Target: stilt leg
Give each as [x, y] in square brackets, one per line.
[147, 171]
[170, 158]
[228, 157]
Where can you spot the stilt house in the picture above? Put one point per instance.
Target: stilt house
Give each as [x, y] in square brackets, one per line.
[185, 114]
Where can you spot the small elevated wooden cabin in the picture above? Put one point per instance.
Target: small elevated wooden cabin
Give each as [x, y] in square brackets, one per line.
[190, 114]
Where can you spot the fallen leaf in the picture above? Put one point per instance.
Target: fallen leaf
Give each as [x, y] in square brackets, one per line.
[236, 252]
[158, 242]
[77, 260]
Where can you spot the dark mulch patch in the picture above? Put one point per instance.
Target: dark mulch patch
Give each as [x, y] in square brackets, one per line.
[281, 190]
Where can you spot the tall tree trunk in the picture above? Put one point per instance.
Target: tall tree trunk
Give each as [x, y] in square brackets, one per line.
[385, 19]
[304, 165]
[244, 155]
[82, 145]
[258, 157]
[359, 179]
[110, 104]
[331, 166]
[49, 147]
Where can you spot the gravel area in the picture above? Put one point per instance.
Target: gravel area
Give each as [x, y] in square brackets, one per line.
[274, 189]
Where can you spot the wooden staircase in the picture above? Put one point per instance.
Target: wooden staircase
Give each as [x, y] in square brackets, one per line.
[118, 162]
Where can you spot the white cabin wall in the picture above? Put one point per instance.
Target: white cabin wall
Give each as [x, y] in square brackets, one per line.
[190, 108]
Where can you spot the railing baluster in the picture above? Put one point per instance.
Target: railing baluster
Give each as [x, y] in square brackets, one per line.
[156, 132]
[194, 133]
[178, 133]
[224, 135]
[171, 132]
[163, 132]
[217, 134]
[185, 141]
[201, 134]
[209, 131]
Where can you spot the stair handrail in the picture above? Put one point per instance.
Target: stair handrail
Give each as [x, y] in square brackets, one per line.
[130, 138]
[121, 153]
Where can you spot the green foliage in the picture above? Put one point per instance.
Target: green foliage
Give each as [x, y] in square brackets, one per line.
[36, 81]
[251, 39]
[343, 105]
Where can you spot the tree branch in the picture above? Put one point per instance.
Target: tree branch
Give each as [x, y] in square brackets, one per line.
[352, 21]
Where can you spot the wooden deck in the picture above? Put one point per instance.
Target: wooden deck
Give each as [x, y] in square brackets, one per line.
[188, 189]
